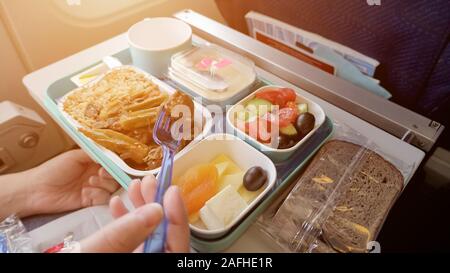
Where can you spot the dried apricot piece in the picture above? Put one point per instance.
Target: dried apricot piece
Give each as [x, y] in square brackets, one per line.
[198, 185]
[197, 198]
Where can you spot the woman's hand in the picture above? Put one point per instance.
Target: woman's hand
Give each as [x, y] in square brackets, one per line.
[67, 182]
[130, 229]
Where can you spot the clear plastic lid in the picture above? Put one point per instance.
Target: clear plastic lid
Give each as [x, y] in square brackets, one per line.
[213, 72]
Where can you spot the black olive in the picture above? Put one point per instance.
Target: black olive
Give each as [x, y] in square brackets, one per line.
[255, 178]
[305, 123]
[286, 142]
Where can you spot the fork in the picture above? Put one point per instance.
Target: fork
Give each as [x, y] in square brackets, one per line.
[162, 136]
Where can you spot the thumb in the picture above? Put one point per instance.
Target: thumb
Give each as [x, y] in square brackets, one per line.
[126, 233]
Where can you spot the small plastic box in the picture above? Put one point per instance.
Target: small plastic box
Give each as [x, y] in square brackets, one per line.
[213, 73]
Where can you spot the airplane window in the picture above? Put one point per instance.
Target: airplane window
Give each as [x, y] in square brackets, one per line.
[100, 9]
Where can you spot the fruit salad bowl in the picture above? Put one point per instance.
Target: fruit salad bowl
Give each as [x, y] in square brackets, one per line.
[296, 117]
[231, 165]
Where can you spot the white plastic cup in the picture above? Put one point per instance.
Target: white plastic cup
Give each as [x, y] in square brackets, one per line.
[153, 41]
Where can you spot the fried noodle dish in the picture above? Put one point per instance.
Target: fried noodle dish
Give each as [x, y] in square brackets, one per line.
[119, 112]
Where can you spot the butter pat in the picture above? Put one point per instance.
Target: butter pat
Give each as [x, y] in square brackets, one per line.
[222, 209]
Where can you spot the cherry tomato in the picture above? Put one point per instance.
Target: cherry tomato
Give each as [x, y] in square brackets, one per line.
[272, 95]
[293, 106]
[251, 128]
[287, 116]
[259, 128]
[289, 94]
[278, 96]
[268, 119]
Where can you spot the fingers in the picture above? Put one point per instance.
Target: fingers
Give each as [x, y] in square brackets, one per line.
[143, 192]
[141, 195]
[104, 174]
[178, 228]
[134, 192]
[94, 197]
[79, 155]
[126, 233]
[148, 188]
[117, 207]
[99, 190]
[108, 185]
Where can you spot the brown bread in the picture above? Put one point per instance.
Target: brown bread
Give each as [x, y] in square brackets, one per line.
[347, 192]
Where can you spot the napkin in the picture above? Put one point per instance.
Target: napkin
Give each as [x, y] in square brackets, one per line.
[349, 72]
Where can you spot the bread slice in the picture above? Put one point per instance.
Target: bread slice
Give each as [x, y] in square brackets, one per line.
[361, 209]
[348, 191]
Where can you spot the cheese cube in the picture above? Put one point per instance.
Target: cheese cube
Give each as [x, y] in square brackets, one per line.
[249, 196]
[210, 220]
[232, 167]
[234, 180]
[222, 168]
[222, 209]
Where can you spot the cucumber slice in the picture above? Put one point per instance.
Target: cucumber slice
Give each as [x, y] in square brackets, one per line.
[302, 108]
[259, 106]
[289, 130]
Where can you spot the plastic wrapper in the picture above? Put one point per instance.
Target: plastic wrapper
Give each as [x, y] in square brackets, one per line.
[342, 199]
[68, 245]
[14, 237]
[214, 73]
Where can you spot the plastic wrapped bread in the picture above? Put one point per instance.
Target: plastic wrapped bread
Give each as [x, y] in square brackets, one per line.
[340, 202]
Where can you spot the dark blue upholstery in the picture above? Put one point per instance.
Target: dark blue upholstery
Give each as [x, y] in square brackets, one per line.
[410, 38]
[435, 99]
